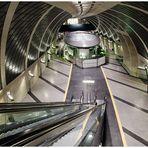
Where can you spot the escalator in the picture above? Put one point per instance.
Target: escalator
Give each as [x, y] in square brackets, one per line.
[51, 124]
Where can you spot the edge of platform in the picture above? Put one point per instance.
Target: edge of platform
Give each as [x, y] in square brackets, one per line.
[66, 91]
[116, 111]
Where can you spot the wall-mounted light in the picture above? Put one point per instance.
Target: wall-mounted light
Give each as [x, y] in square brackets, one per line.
[117, 39]
[146, 67]
[42, 61]
[10, 96]
[30, 74]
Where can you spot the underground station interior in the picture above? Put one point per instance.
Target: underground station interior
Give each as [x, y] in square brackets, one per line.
[73, 73]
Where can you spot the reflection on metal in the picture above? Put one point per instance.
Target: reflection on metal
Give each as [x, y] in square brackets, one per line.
[14, 70]
[6, 26]
[34, 45]
[129, 27]
[84, 125]
[104, 32]
[116, 27]
[136, 8]
[10, 96]
[59, 22]
[30, 57]
[47, 45]
[46, 30]
[146, 70]
[81, 39]
[127, 16]
[31, 36]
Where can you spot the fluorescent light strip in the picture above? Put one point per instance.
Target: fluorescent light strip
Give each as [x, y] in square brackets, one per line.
[89, 81]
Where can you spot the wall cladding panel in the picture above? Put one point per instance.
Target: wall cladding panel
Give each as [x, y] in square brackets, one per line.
[140, 5]
[51, 29]
[116, 17]
[137, 28]
[26, 16]
[133, 13]
[58, 24]
[3, 11]
[54, 28]
[33, 52]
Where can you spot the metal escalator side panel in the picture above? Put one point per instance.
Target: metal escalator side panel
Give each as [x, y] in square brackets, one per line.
[12, 139]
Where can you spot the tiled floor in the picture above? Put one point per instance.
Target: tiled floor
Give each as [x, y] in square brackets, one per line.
[64, 68]
[129, 93]
[28, 98]
[97, 89]
[51, 85]
[132, 103]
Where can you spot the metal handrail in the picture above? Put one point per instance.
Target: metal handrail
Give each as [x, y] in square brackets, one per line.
[12, 107]
[25, 137]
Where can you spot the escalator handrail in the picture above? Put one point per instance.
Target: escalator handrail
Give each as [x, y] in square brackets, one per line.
[56, 138]
[12, 107]
[41, 131]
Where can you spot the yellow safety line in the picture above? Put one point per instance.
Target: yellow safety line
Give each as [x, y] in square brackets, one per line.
[65, 95]
[116, 112]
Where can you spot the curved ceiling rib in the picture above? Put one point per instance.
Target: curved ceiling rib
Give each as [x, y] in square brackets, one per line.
[130, 30]
[27, 35]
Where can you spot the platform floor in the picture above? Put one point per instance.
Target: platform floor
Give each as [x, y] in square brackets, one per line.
[89, 91]
[129, 93]
[51, 85]
[132, 103]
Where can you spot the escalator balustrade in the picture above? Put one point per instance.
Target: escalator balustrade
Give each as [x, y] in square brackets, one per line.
[27, 124]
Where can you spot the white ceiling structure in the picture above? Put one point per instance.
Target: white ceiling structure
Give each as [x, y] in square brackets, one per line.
[82, 9]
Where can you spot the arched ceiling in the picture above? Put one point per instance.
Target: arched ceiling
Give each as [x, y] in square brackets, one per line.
[27, 29]
[113, 17]
[82, 9]
[125, 17]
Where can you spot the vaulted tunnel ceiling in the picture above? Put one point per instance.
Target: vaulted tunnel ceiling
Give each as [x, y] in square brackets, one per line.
[111, 17]
[34, 25]
[128, 17]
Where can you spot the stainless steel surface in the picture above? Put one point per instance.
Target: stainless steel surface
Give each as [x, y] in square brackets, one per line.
[81, 39]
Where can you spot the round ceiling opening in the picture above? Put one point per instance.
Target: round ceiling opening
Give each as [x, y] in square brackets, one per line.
[81, 39]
